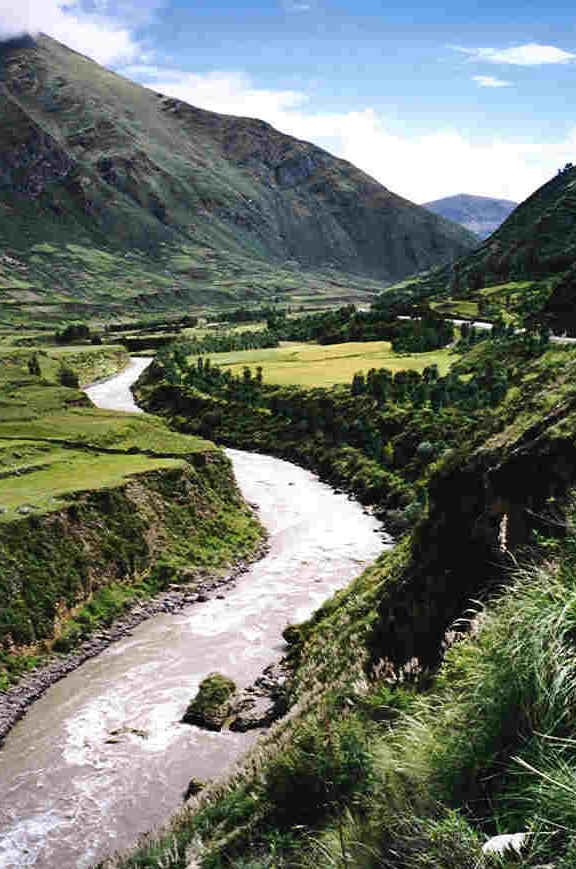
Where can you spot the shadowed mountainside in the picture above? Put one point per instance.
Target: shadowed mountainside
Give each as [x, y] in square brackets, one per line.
[112, 195]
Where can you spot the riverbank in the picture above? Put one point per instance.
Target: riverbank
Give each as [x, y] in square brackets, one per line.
[99, 511]
[431, 702]
[65, 748]
[15, 702]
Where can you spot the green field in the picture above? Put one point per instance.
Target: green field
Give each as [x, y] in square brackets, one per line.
[53, 443]
[311, 365]
[40, 486]
[456, 308]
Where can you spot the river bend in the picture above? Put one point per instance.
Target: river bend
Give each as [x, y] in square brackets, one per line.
[102, 757]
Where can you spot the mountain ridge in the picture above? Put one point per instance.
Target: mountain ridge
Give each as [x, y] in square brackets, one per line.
[101, 169]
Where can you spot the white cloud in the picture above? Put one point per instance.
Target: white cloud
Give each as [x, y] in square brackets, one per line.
[297, 6]
[446, 162]
[490, 81]
[231, 93]
[530, 54]
[97, 29]
[421, 168]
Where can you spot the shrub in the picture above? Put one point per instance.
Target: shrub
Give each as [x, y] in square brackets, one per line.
[326, 762]
[34, 366]
[68, 377]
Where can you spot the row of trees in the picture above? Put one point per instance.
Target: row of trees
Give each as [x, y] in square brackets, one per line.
[230, 342]
[243, 315]
[160, 324]
[201, 374]
[486, 388]
[425, 331]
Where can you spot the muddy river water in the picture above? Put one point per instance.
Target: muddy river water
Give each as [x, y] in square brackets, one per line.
[102, 757]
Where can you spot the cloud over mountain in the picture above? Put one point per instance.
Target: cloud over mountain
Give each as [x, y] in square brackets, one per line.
[101, 30]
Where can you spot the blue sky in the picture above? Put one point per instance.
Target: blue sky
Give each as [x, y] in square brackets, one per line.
[431, 101]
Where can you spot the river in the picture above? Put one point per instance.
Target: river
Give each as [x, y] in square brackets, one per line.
[101, 757]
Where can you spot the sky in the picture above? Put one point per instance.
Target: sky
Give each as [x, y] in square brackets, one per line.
[467, 97]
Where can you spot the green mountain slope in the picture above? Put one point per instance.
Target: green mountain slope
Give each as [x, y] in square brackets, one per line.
[112, 195]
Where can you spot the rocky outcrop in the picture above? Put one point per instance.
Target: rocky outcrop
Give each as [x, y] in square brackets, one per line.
[262, 703]
[219, 704]
[30, 159]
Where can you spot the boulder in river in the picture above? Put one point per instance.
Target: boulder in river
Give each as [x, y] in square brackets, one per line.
[211, 706]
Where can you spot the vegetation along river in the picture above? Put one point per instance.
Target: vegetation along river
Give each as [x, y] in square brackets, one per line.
[70, 790]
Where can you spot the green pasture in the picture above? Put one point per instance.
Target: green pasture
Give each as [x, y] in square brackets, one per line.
[88, 361]
[106, 429]
[53, 442]
[511, 287]
[311, 365]
[61, 472]
[465, 308]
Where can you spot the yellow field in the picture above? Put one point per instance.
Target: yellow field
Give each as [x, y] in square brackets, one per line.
[311, 365]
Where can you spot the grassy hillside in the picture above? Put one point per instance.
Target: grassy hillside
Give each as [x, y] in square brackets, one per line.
[117, 198]
[524, 273]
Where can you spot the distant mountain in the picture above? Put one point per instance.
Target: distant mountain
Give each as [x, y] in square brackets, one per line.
[480, 214]
[114, 197]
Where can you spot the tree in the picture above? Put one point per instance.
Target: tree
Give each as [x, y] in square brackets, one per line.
[73, 334]
[68, 377]
[34, 366]
[358, 384]
[431, 373]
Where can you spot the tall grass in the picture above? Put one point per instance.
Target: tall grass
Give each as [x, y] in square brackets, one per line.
[492, 747]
